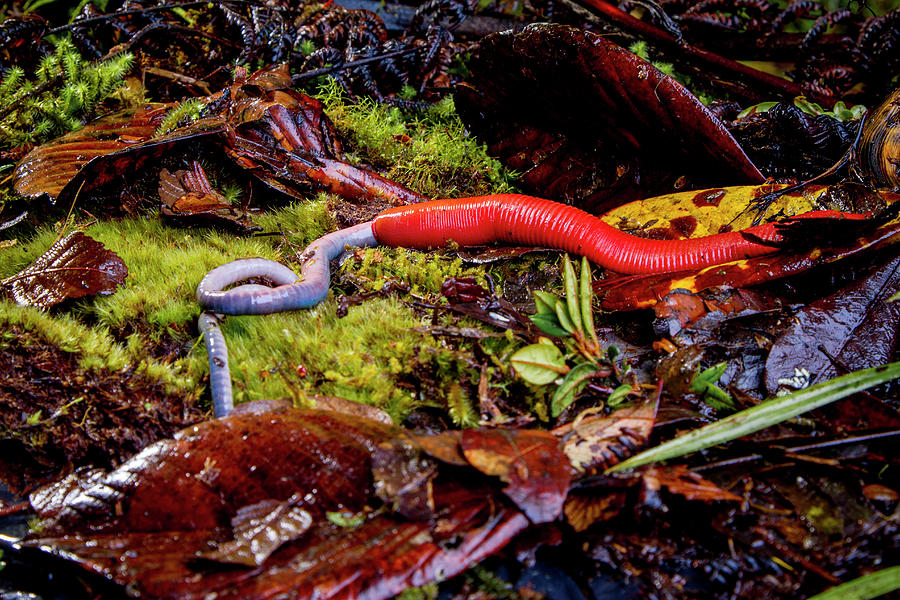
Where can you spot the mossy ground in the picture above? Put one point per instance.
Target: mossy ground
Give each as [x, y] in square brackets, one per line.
[373, 355]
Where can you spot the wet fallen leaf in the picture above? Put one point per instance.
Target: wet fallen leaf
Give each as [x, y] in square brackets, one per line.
[529, 461]
[188, 198]
[597, 441]
[587, 122]
[256, 488]
[852, 329]
[680, 480]
[73, 267]
[644, 291]
[584, 508]
[260, 529]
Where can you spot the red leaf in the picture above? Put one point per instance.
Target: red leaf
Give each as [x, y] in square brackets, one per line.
[73, 267]
[588, 122]
[530, 461]
[243, 485]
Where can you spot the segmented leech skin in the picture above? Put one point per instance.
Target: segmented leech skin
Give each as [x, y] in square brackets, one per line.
[511, 218]
[526, 220]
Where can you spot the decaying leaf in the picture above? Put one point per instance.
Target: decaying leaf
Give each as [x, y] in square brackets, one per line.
[73, 267]
[260, 529]
[597, 441]
[852, 329]
[680, 480]
[187, 515]
[587, 122]
[529, 461]
[188, 198]
[279, 135]
[584, 508]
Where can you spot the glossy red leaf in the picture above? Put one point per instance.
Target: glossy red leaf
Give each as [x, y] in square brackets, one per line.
[530, 461]
[254, 489]
[856, 327]
[73, 267]
[590, 123]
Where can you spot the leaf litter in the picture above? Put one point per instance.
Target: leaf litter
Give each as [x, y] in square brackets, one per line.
[389, 510]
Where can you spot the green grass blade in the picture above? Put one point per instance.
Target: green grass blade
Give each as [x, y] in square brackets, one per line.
[765, 414]
[572, 303]
[586, 296]
[865, 587]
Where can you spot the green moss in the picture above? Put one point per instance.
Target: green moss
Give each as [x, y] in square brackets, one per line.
[429, 153]
[424, 271]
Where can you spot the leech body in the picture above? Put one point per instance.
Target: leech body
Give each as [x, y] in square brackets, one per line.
[510, 218]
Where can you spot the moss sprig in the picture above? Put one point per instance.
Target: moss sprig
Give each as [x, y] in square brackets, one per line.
[62, 93]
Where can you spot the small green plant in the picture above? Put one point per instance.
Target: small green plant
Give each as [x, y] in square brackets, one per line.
[704, 384]
[58, 97]
[840, 111]
[178, 116]
[571, 319]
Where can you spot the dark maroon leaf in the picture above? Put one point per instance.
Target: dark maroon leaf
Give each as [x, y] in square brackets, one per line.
[529, 461]
[856, 328]
[590, 123]
[73, 267]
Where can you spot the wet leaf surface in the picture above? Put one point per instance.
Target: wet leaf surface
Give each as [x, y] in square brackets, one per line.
[73, 267]
[679, 480]
[188, 198]
[589, 123]
[852, 329]
[131, 524]
[530, 462]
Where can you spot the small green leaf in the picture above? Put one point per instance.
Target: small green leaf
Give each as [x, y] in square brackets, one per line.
[756, 108]
[562, 314]
[549, 324]
[767, 413]
[619, 395]
[545, 303]
[572, 293]
[570, 386]
[345, 519]
[894, 298]
[34, 418]
[704, 383]
[539, 364]
[611, 353]
[868, 586]
[587, 300]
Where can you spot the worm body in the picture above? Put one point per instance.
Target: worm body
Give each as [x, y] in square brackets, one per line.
[526, 220]
[510, 218]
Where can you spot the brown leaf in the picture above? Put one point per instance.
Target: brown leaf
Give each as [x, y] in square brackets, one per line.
[260, 529]
[583, 509]
[590, 123]
[403, 477]
[680, 480]
[73, 267]
[49, 168]
[856, 326]
[244, 486]
[188, 198]
[597, 441]
[529, 461]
